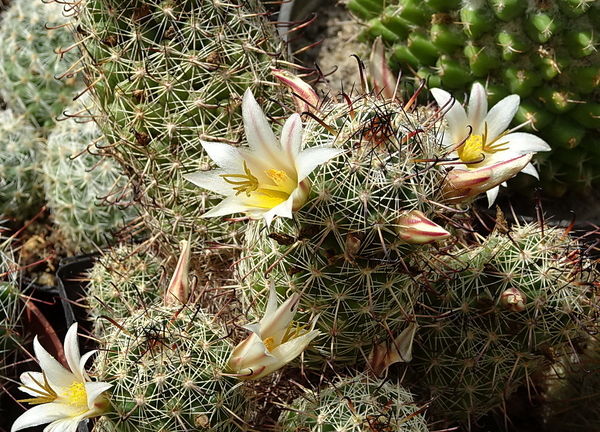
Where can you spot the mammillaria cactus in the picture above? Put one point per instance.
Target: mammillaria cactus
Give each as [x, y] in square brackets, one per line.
[33, 56]
[355, 404]
[21, 194]
[87, 196]
[168, 370]
[496, 314]
[164, 76]
[543, 51]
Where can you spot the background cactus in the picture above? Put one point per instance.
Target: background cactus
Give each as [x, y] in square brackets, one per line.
[165, 75]
[543, 51]
[499, 312]
[87, 196]
[21, 194]
[33, 57]
[344, 250]
[354, 404]
[166, 367]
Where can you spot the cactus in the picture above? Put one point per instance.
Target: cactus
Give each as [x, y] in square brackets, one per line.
[32, 58]
[543, 51]
[21, 195]
[11, 307]
[86, 194]
[123, 281]
[570, 399]
[505, 309]
[166, 366]
[354, 404]
[348, 250]
[166, 75]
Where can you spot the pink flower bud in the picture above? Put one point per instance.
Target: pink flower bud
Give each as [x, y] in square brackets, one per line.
[462, 184]
[414, 228]
[513, 300]
[305, 98]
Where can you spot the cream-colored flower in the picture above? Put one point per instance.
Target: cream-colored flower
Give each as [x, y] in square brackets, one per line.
[61, 397]
[275, 340]
[267, 179]
[479, 138]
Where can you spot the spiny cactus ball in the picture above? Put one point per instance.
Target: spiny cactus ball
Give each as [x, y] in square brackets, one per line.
[123, 281]
[544, 51]
[21, 194]
[348, 249]
[34, 36]
[166, 75]
[498, 313]
[86, 193]
[354, 404]
[166, 368]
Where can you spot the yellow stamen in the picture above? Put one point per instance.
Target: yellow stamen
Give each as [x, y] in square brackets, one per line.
[76, 394]
[270, 343]
[279, 177]
[48, 395]
[472, 149]
[249, 184]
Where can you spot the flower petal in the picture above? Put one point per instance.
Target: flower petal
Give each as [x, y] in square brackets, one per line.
[384, 81]
[210, 180]
[30, 386]
[44, 413]
[454, 113]
[285, 209]
[93, 391]
[259, 135]
[500, 116]
[291, 136]
[56, 374]
[72, 354]
[530, 170]
[478, 108]
[492, 194]
[310, 158]
[64, 425]
[521, 143]
[226, 156]
[276, 323]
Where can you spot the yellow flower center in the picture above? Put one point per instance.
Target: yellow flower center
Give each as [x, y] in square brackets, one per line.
[262, 195]
[270, 343]
[76, 394]
[475, 148]
[472, 149]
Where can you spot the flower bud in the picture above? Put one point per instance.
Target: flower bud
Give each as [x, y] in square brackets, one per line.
[513, 300]
[461, 184]
[178, 290]
[305, 98]
[414, 228]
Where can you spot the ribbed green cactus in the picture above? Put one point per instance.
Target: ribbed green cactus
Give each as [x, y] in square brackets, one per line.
[86, 193]
[166, 75]
[166, 368]
[497, 313]
[348, 249]
[21, 194]
[354, 404]
[546, 52]
[32, 58]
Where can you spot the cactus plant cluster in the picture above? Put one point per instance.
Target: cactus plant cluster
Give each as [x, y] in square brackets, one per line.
[371, 243]
[543, 51]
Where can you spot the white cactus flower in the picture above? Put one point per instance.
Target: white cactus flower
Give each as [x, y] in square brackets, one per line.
[274, 341]
[61, 397]
[267, 179]
[479, 138]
